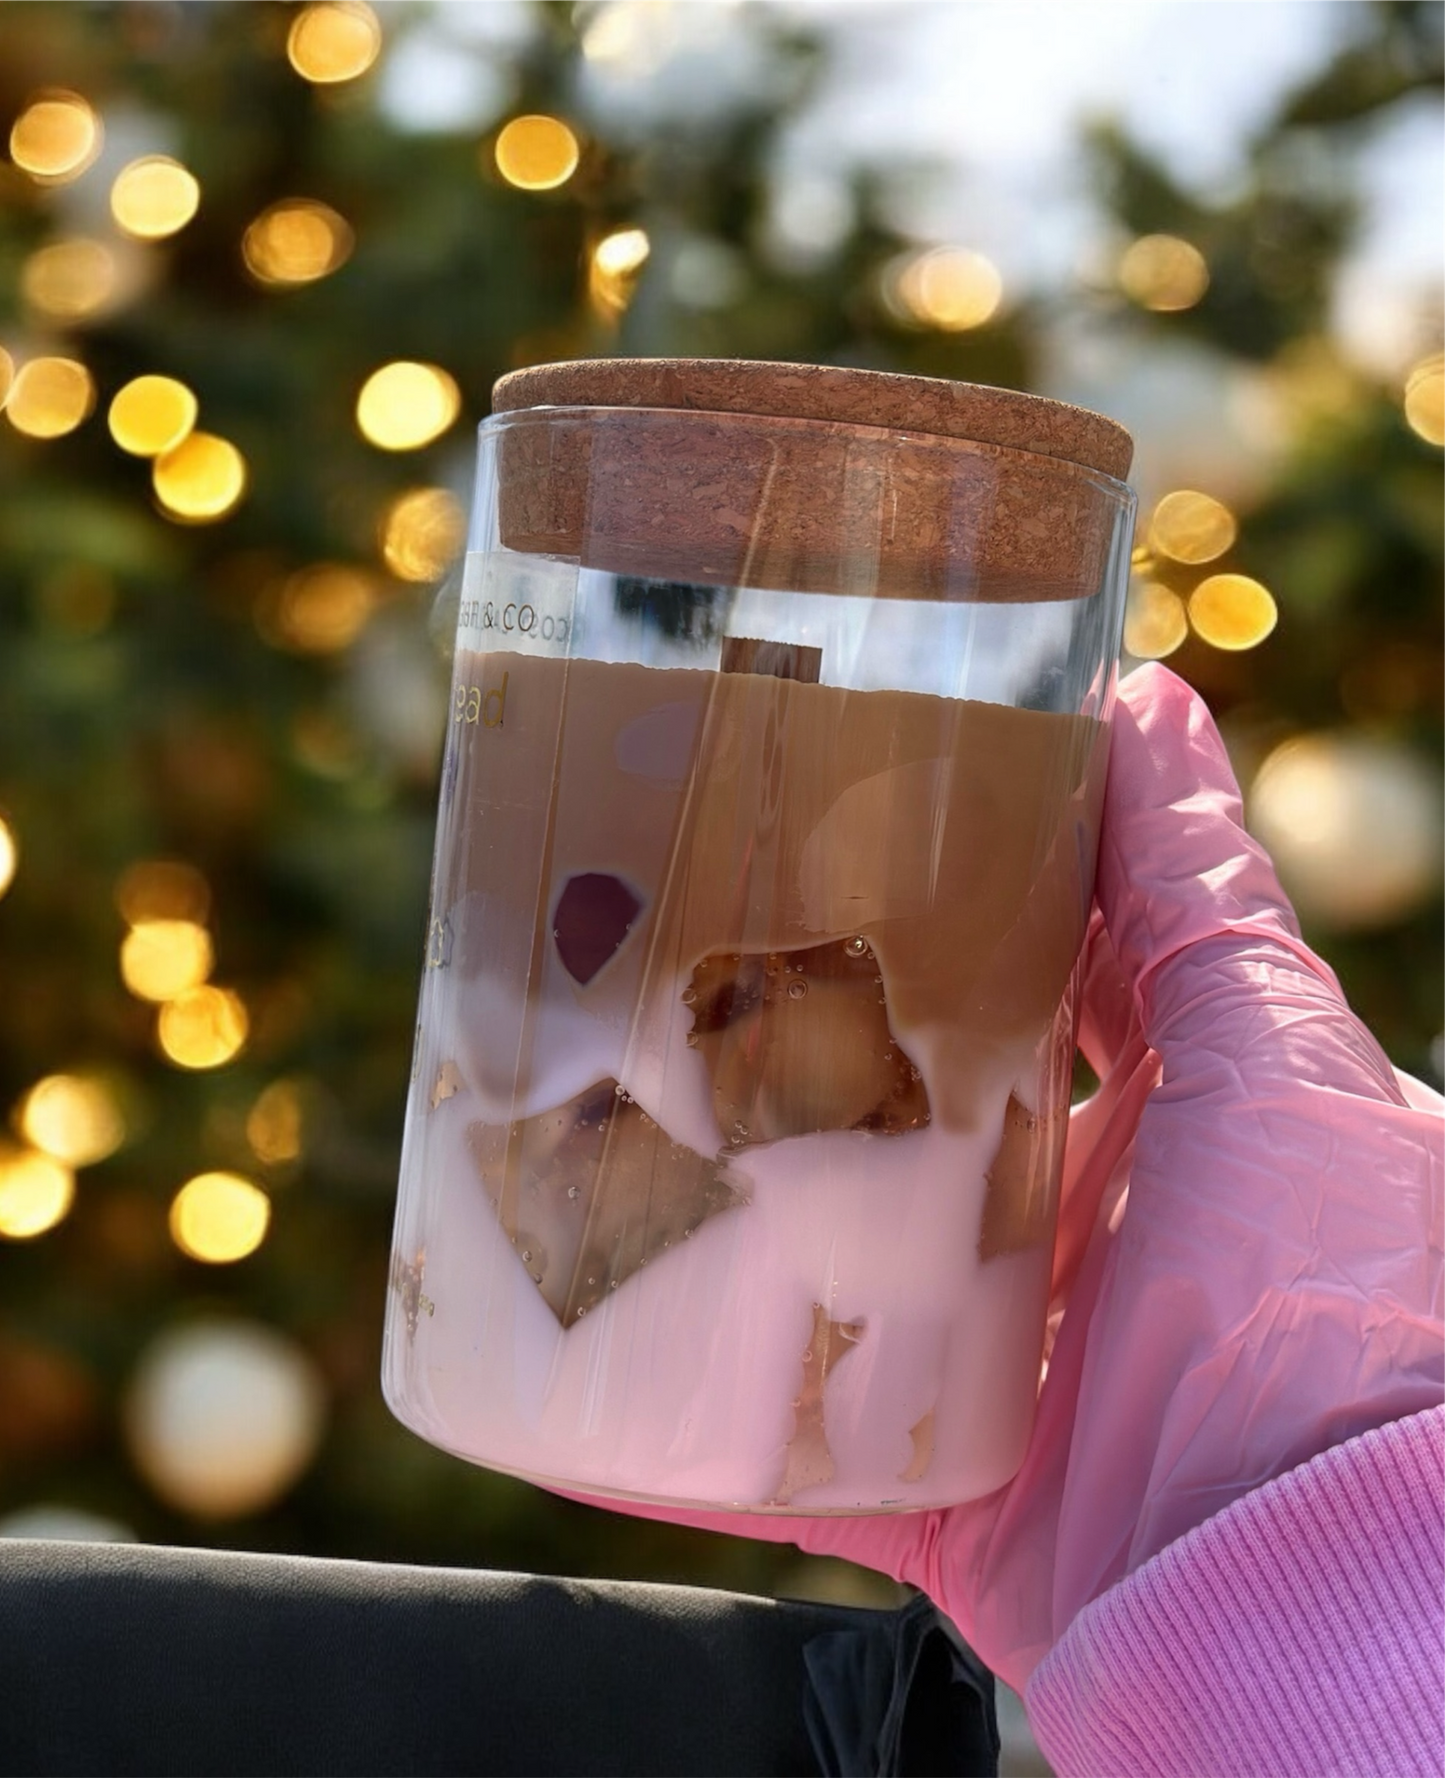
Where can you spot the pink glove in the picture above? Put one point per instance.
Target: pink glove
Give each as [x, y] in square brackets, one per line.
[1248, 1267]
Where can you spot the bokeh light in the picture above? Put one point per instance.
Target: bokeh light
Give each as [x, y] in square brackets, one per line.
[949, 288]
[422, 533]
[1191, 527]
[162, 958]
[1232, 612]
[69, 280]
[222, 1417]
[275, 1123]
[616, 260]
[203, 1027]
[1353, 823]
[1163, 273]
[162, 889]
[1155, 623]
[404, 405]
[317, 610]
[154, 197]
[151, 415]
[537, 153]
[55, 138]
[296, 241]
[36, 1192]
[50, 397]
[333, 42]
[7, 374]
[74, 1118]
[201, 479]
[1425, 399]
[219, 1218]
[9, 855]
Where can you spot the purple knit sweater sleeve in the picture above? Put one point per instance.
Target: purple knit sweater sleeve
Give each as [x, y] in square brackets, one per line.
[1300, 1631]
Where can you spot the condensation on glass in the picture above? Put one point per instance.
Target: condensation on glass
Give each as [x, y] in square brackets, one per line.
[766, 846]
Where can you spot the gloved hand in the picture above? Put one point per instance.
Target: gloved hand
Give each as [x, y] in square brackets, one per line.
[1248, 1268]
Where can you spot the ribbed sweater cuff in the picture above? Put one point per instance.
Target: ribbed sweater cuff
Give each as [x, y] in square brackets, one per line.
[1300, 1631]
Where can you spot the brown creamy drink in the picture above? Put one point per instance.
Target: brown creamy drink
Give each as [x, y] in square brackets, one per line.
[713, 939]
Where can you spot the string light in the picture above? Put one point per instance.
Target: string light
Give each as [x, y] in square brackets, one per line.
[274, 1123]
[949, 288]
[422, 533]
[162, 889]
[160, 959]
[1155, 623]
[36, 1192]
[296, 241]
[1425, 399]
[154, 197]
[219, 1218]
[74, 1118]
[50, 397]
[151, 415]
[9, 855]
[537, 153]
[317, 610]
[1163, 273]
[1232, 612]
[201, 479]
[333, 42]
[1192, 527]
[404, 406]
[616, 260]
[55, 138]
[69, 280]
[203, 1028]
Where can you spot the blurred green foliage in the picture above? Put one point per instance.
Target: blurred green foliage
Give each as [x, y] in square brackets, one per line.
[144, 714]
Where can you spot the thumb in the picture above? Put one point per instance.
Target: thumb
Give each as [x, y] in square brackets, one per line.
[1181, 884]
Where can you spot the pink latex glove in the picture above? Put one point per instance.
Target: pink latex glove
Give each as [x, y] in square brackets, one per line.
[1249, 1255]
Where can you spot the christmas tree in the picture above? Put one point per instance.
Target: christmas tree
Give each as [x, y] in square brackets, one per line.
[248, 321]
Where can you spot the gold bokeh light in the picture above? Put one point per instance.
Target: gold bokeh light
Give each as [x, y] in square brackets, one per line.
[151, 415]
[203, 1028]
[7, 374]
[9, 855]
[275, 1123]
[201, 479]
[616, 260]
[317, 610]
[74, 1118]
[404, 405]
[69, 280]
[219, 1218]
[296, 241]
[1163, 273]
[1232, 612]
[537, 153]
[1191, 527]
[333, 42]
[1425, 399]
[55, 138]
[36, 1192]
[422, 533]
[50, 397]
[162, 889]
[950, 288]
[1155, 623]
[162, 958]
[154, 197]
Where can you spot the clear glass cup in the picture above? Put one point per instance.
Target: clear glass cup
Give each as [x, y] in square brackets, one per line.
[765, 853]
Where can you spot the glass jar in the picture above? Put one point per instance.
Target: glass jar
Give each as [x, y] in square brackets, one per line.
[765, 853]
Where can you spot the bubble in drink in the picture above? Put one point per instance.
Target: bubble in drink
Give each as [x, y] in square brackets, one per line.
[796, 990]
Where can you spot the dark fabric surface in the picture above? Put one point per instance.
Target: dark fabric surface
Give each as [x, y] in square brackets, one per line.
[122, 1659]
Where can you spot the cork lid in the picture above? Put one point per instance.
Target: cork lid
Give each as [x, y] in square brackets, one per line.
[810, 478]
[1003, 417]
